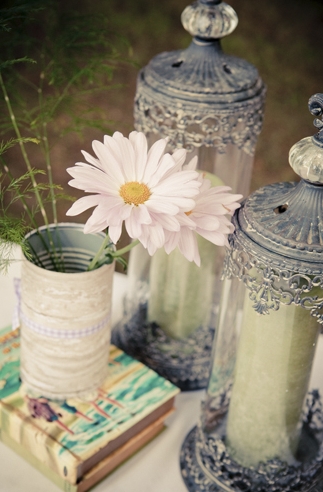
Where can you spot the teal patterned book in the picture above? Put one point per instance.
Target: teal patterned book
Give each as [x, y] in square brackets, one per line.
[75, 442]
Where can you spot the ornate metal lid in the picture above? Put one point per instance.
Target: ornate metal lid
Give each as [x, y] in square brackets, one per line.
[200, 80]
[276, 248]
[283, 223]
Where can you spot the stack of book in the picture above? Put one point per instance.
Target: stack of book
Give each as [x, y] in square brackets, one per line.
[75, 443]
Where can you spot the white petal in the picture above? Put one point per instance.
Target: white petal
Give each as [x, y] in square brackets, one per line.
[133, 226]
[220, 189]
[125, 211]
[126, 156]
[143, 215]
[168, 222]
[105, 213]
[144, 238]
[83, 204]
[157, 236]
[161, 202]
[160, 206]
[108, 160]
[205, 184]
[166, 164]
[183, 183]
[188, 245]
[92, 160]
[213, 236]
[94, 227]
[115, 233]
[151, 248]
[91, 180]
[171, 243]
[192, 164]
[153, 157]
[209, 223]
[185, 220]
[208, 205]
[179, 156]
[139, 143]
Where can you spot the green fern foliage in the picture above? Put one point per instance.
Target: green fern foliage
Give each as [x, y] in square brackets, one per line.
[55, 57]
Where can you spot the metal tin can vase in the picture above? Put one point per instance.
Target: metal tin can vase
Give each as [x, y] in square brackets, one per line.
[64, 316]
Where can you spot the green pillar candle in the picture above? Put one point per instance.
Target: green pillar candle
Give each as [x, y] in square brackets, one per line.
[272, 373]
[181, 293]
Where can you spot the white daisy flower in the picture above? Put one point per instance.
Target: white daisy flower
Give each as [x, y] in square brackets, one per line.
[144, 189]
[208, 219]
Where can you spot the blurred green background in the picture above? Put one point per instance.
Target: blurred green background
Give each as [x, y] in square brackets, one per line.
[283, 39]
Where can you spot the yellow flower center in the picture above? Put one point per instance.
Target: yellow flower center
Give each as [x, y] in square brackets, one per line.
[134, 193]
[188, 213]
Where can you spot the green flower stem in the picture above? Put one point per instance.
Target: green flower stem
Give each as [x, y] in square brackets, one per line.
[98, 255]
[23, 150]
[124, 250]
[114, 254]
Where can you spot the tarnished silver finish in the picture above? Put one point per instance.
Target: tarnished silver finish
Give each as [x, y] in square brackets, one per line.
[200, 96]
[206, 465]
[276, 252]
[277, 246]
[186, 363]
[273, 278]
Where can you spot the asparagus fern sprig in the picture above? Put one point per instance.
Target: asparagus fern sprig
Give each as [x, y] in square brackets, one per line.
[53, 64]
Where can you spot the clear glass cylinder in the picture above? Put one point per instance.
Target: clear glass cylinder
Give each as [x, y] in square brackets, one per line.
[210, 104]
[171, 305]
[181, 297]
[260, 378]
[231, 163]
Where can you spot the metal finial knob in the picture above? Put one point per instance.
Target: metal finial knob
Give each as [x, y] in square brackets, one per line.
[306, 156]
[209, 19]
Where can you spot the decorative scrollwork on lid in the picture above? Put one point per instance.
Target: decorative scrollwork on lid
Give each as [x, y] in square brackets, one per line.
[191, 130]
[315, 105]
[270, 286]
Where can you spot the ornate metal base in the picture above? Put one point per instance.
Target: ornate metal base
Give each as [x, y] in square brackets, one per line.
[186, 363]
[206, 465]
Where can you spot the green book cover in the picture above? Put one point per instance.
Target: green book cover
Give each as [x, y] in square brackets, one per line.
[70, 437]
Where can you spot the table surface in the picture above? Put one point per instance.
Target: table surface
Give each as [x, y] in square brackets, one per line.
[155, 468]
